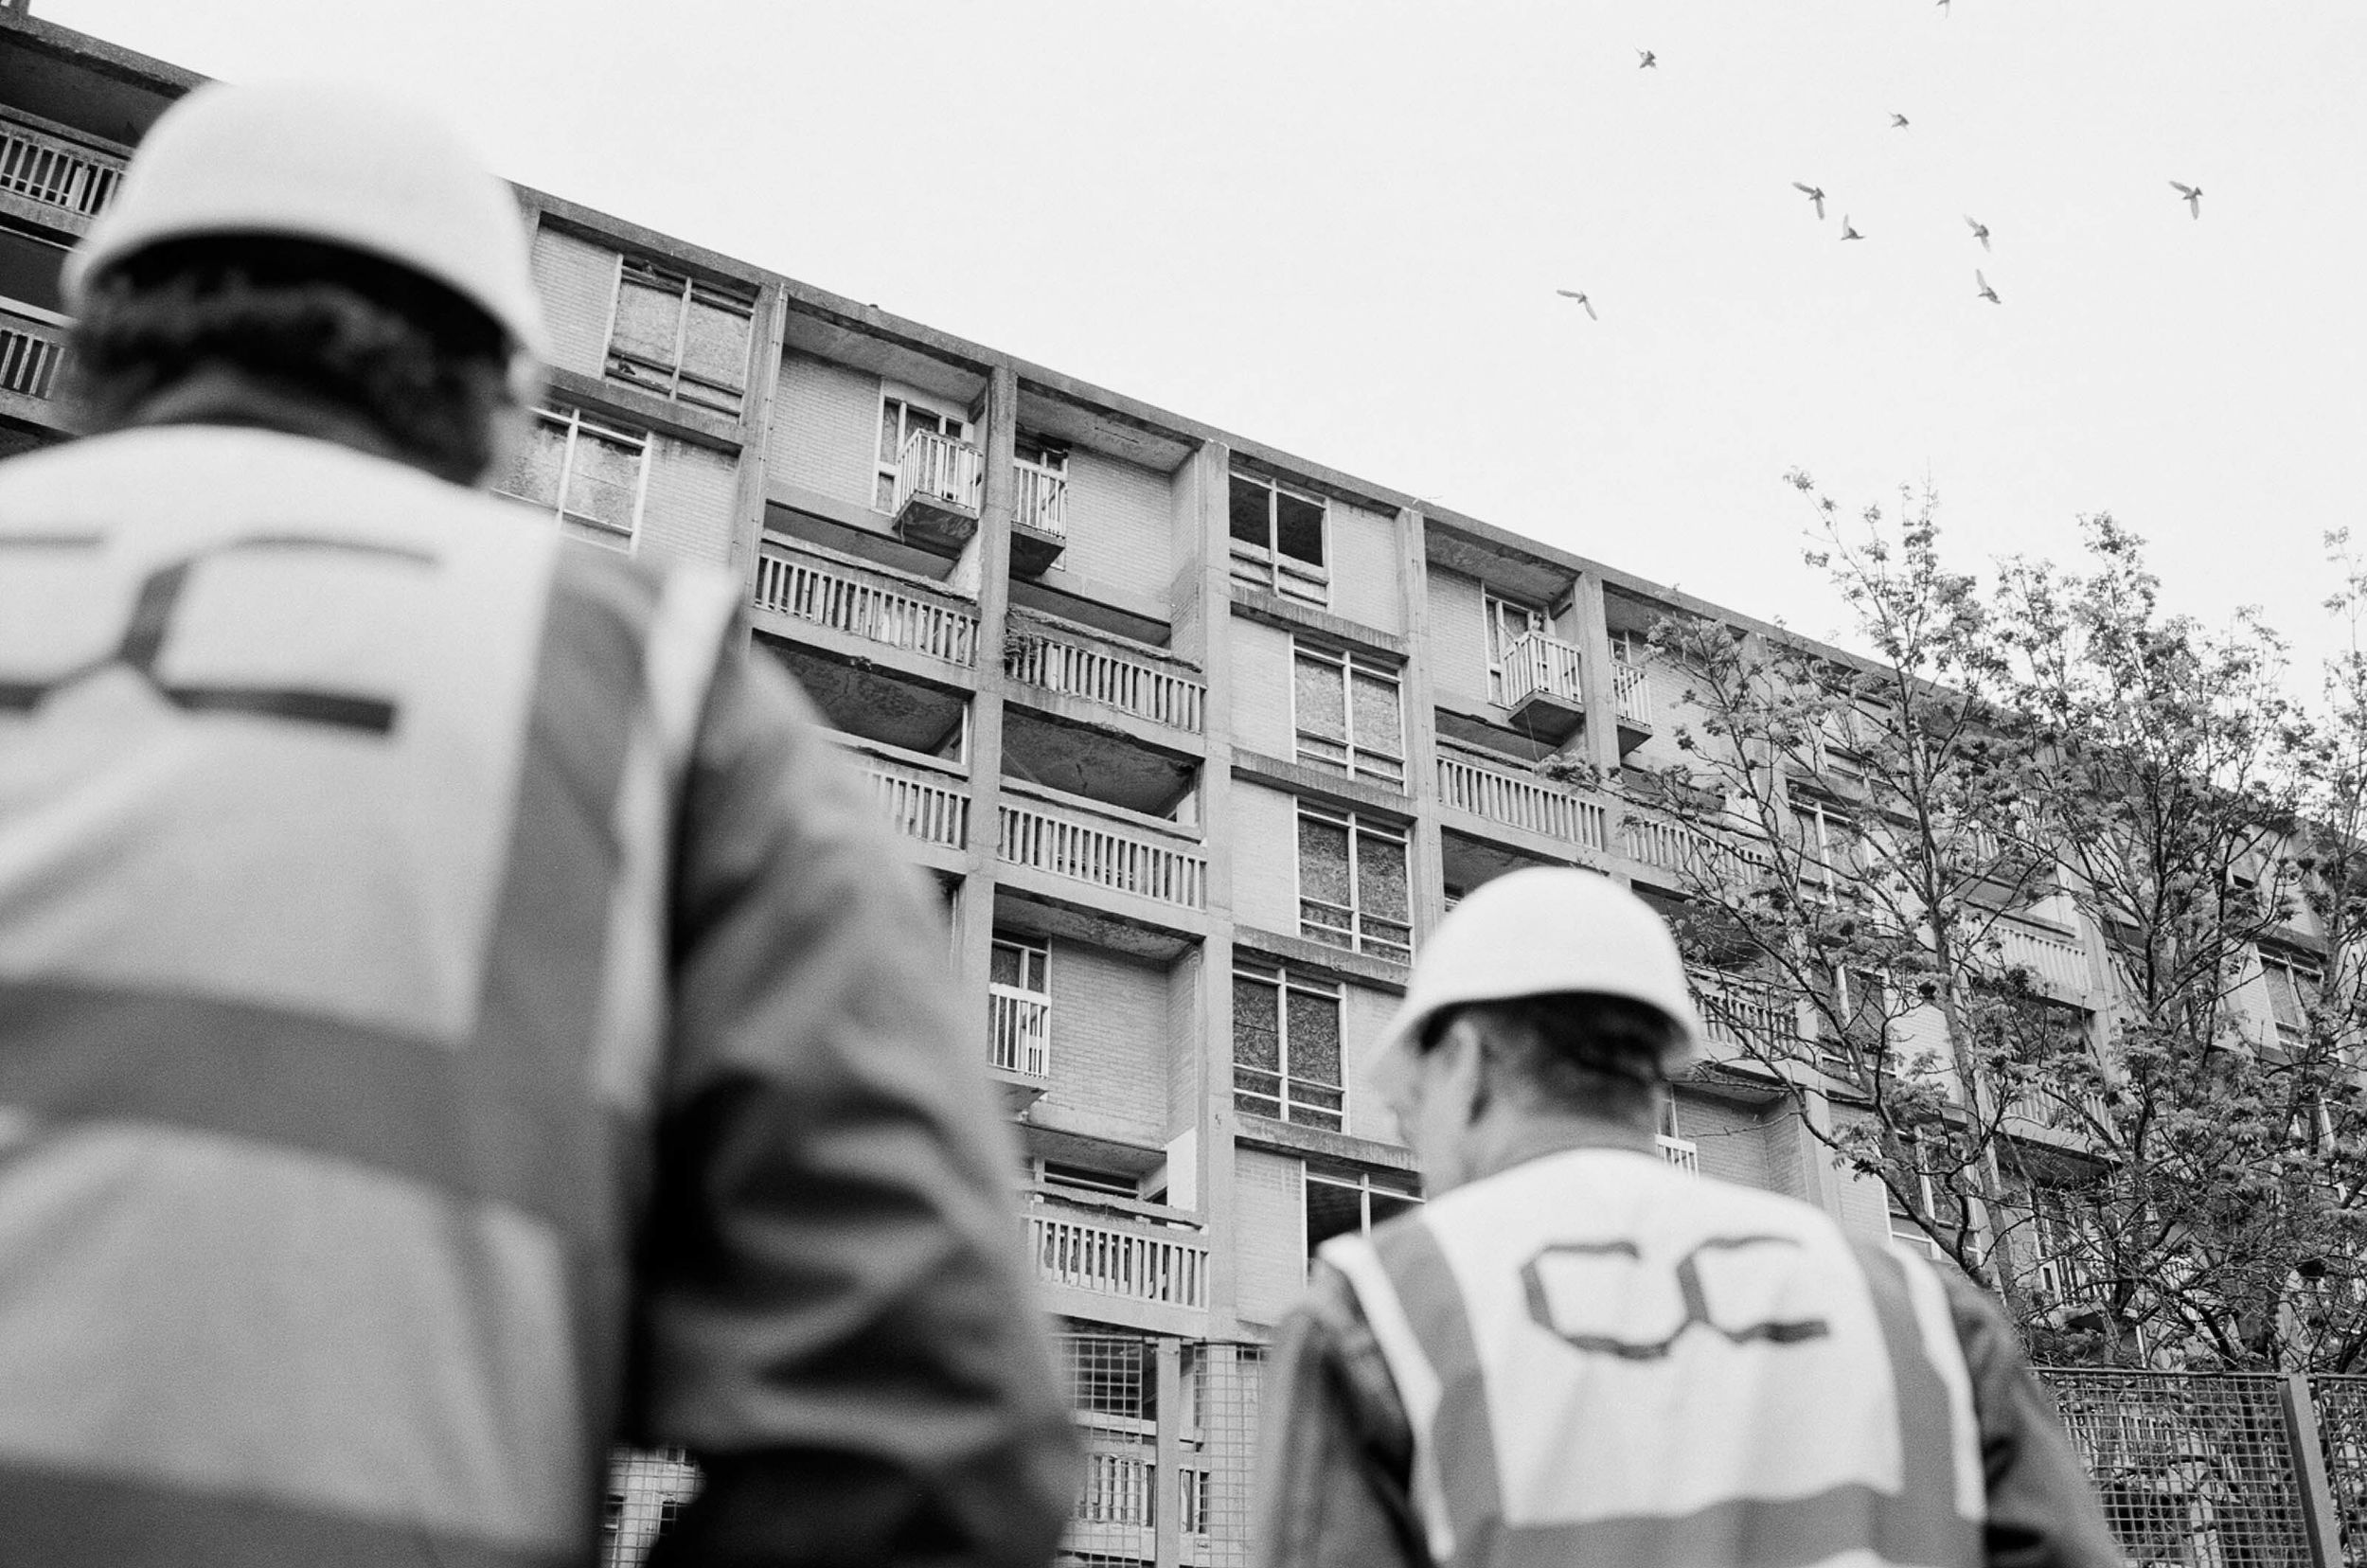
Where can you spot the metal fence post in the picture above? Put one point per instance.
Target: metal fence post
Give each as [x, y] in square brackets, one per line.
[2309, 1470]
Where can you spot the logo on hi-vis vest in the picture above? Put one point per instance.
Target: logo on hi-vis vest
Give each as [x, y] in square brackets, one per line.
[141, 647]
[1602, 1297]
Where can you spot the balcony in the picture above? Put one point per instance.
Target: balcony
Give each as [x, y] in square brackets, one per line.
[1525, 801]
[56, 170]
[1072, 840]
[1074, 663]
[826, 591]
[919, 802]
[1018, 1034]
[1632, 702]
[1541, 688]
[1121, 1250]
[32, 343]
[935, 501]
[1691, 853]
[1681, 1153]
[1747, 1015]
[2057, 964]
[1039, 518]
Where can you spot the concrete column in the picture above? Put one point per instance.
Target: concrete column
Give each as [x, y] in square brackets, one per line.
[1426, 875]
[764, 379]
[1592, 632]
[974, 931]
[1166, 1467]
[2319, 1519]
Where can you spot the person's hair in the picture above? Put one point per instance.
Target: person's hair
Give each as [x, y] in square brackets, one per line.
[1572, 1050]
[419, 364]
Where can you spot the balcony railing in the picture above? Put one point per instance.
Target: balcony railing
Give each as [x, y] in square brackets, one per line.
[1132, 683]
[1040, 500]
[55, 172]
[1102, 851]
[1523, 800]
[1746, 1014]
[1019, 1030]
[1163, 1265]
[1631, 695]
[32, 342]
[1672, 845]
[846, 598]
[1681, 1153]
[1120, 1468]
[2059, 961]
[1536, 666]
[932, 808]
[938, 468]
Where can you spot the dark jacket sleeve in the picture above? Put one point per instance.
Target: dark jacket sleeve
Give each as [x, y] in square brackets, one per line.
[836, 1317]
[2044, 1511]
[1336, 1457]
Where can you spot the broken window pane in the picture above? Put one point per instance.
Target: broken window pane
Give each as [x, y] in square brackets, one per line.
[1251, 517]
[1299, 527]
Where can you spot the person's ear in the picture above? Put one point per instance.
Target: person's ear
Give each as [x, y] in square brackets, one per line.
[1463, 1075]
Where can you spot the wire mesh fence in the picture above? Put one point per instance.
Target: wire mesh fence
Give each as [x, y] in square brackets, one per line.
[646, 1489]
[2340, 1403]
[2194, 1471]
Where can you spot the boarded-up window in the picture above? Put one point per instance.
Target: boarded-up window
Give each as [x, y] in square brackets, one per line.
[1349, 718]
[1353, 888]
[681, 337]
[1286, 1045]
[588, 474]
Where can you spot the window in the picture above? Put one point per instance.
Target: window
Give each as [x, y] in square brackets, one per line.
[589, 474]
[1080, 1178]
[1041, 501]
[680, 337]
[1278, 538]
[1823, 849]
[902, 417]
[2292, 991]
[1349, 715]
[1352, 885]
[1352, 1205]
[1509, 621]
[1019, 1007]
[1285, 1046]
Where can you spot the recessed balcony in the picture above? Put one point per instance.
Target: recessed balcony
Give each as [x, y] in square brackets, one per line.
[32, 346]
[1070, 839]
[56, 170]
[824, 590]
[1527, 801]
[1632, 702]
[920, 800]
[936, 500]
[1131, 1252]
[1018, 1039]
[1540, 684]
[1075, 662]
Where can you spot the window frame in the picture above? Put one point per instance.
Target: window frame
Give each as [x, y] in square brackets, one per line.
[1290, 576]
[1359, 826]
[572, 420]
[1494, 607]
[1050, 461]
[1351, 664]
[2303, 984]
[1364, 1185]
[1287, 979]
[669, 378]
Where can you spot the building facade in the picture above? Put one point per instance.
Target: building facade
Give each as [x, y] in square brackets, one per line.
[1199, 739]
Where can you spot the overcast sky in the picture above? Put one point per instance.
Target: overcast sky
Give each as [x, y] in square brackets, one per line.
[1338, 227]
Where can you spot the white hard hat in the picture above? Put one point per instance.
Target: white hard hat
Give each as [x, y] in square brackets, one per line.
[1546, 930]
[341, 165]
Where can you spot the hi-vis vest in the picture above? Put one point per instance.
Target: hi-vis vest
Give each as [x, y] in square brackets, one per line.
[336, 808]
[1605, 1360]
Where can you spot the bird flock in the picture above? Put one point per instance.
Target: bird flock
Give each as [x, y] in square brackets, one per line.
[1648, 59]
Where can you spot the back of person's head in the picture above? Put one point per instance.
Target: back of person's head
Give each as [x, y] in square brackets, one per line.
[326, 244]
[1571, 1052]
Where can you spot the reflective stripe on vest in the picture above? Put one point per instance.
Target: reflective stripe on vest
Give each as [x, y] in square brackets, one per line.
[1604, 1359]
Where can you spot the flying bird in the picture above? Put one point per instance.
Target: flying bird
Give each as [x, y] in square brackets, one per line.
[1583, 301]
[1815, 194]
[2193, 195]
[1846, 232]
[1648, 58]
[1899, 121]
[1987, 292]
[1980, 230]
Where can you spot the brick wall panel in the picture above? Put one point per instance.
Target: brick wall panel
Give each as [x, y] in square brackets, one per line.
[1265, 858]
[1365, 567]
[1732, 1141]
[1271, 1228]
[1121, 527]
[1261, 689]
[688, 512]
[1458, 637]
[1363, 1014]
[1109, 1041]
[577, 282]
[825, 428]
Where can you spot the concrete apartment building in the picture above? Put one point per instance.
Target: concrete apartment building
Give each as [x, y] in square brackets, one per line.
[1200, 739]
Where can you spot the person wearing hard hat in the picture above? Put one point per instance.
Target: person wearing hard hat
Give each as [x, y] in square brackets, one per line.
[456, 1012]
[1574, 1352]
